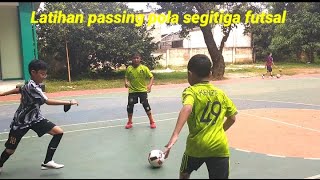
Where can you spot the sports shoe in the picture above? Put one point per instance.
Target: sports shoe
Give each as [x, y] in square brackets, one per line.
[262, 76]
[51, 165]
[153, 125]
[129, 125]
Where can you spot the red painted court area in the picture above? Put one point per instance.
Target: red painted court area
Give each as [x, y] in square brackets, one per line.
[280, 132]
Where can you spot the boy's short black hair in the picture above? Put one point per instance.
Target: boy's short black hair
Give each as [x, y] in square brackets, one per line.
[37, 65]
[136, 55]
[200, 64]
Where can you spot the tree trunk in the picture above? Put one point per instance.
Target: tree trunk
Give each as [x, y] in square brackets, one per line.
[311, 56]
[218, 66]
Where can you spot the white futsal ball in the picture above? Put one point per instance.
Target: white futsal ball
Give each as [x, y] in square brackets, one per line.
[156, 158]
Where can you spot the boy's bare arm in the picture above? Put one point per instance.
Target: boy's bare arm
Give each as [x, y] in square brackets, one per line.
[150, 84]
[13, 91]
[60, 102]
[126, 82]
[182, 119]
[229, 122]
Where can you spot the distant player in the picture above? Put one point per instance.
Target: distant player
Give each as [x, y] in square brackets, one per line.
[135, 80]
[28, 116]
[204, 109]
[268, 65]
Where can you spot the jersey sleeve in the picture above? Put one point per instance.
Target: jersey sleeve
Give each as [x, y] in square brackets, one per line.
[37, 93]
[187, 97]
[231, 108]
[148, 72]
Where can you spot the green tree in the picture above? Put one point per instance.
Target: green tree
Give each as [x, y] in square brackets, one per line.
[201, 8]
[300, 35]
[101, 45]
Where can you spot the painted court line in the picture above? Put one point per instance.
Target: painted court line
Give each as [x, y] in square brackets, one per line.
[104, 127]
[281, 122]
[94, 122]
[89, 129]
[313, 177]
[273, 155]
[312, 158]
[242, 150]
[285, 102]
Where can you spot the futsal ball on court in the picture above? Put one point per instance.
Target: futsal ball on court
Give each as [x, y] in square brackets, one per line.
[156, 158]
[278, 75]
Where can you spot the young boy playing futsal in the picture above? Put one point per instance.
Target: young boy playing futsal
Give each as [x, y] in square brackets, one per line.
[28, 116]
[204, 109]
[135, 80]
[269, 64]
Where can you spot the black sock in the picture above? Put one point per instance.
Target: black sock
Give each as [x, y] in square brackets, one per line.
[4, 157]
[52, 147]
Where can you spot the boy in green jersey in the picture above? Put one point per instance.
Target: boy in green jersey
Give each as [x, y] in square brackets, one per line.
[204, 109]
[135, 80]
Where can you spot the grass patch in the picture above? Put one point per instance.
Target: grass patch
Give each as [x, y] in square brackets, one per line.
[107, 83]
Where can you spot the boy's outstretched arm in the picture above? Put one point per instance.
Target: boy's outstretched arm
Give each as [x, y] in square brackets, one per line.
[60, 102]
[229, 122]
[13, 91]
[183, 117]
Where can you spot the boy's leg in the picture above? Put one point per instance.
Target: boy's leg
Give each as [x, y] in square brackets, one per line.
[188, 165]
[11, 145]
[270, 71]
[151, 120]
[218, 167]
[129, 123]
[132, 99]
[43, 127]
[144, 101]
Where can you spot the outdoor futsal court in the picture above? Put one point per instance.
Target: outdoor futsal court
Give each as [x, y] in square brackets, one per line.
[276, 134]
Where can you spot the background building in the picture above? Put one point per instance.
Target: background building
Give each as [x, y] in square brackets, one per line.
[18, 42]
[176, 51]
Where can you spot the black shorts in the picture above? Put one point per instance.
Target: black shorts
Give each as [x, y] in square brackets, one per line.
[269, 68]
[218, 167]
[41, 128]
[133, 97]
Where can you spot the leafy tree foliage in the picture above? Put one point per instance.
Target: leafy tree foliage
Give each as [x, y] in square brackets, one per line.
[100, 47]
[298, 38]
[300, 35]
[215, 50]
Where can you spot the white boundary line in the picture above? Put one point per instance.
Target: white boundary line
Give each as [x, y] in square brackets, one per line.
[312, 158]
[88, 129]
[238, 149]
[285, 102]
[313, 177]
[94, 122]
[281, 122]
[273, 155]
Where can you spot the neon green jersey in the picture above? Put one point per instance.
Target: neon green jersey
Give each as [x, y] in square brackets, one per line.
[137, 78]
[210, 106]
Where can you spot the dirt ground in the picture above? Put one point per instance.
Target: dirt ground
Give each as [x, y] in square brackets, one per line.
[307, 71]
[296, 71]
